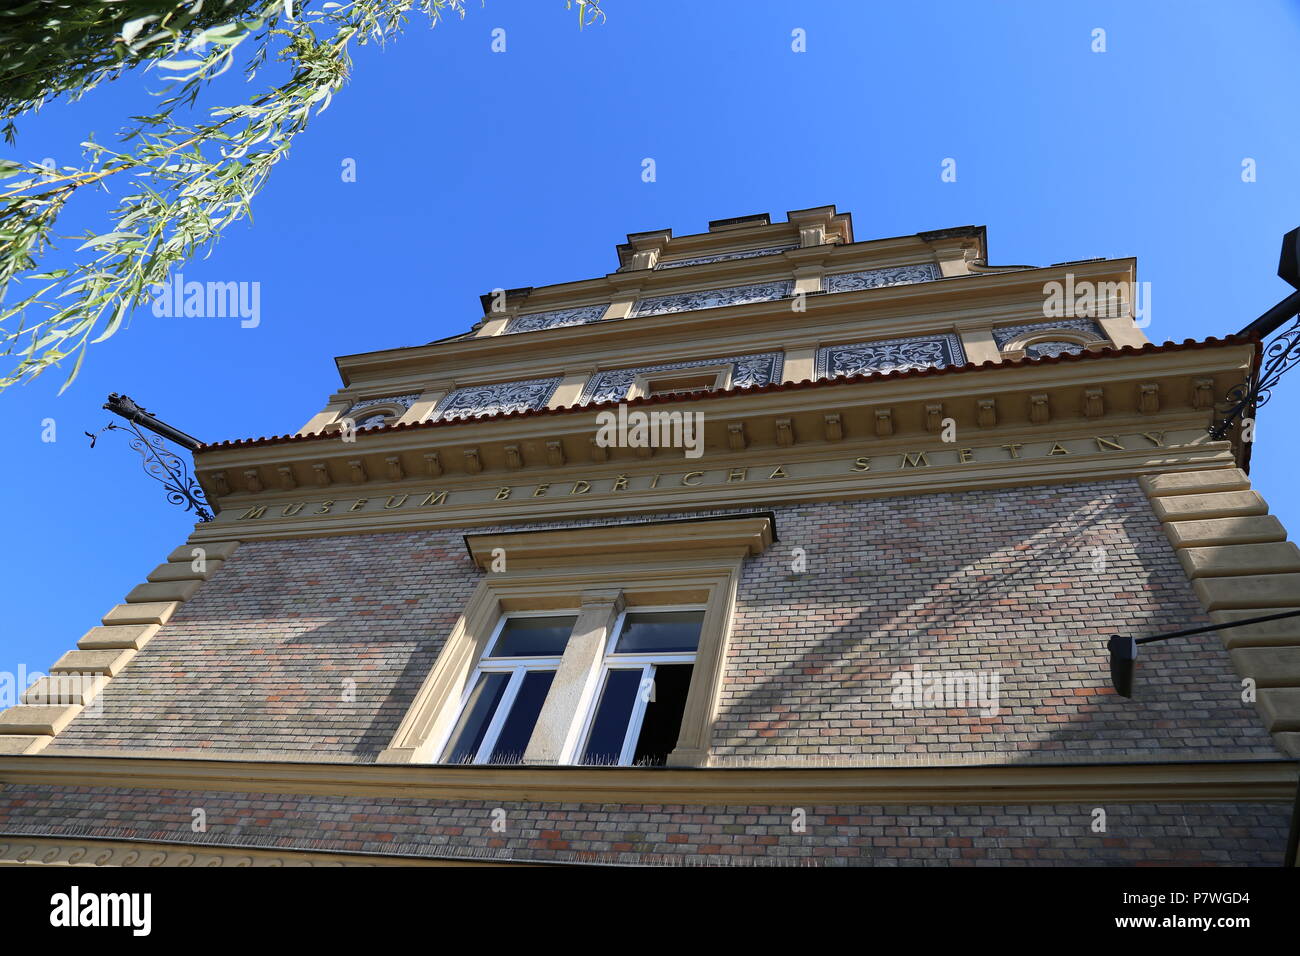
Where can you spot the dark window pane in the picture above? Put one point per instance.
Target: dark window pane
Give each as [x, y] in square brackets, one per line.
[660, 632]
[663, 715]
[474, 719]
[533, 637]
[609, 728]
[518, 727]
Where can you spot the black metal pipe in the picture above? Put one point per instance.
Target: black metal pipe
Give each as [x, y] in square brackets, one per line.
[1217, 627]
[123, 405]
[1123, 659]
[1269, 322]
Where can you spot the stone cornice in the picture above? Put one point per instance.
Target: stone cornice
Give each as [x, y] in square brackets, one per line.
[738, 537]
[1230, 355]
[1231, 781]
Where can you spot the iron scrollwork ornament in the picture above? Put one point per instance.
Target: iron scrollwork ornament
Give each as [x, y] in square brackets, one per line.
[1279, 356]
[164, 466]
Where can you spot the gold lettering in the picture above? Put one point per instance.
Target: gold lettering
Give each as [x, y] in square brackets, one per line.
[917, 460]
[861, 464]
[654, 482]
[395, 502]
[290, 510]
[540, 491]
[1111, 443]
[359, 504]
[1155, 438]
[779, 473]
[1014, 448]
[435, 498]
[965, 454]
[580, 487]
[1058, 449]
[325, 507]
[689, 475]
[620, 483]
[737, 474]
[253, 513]
[503, 494]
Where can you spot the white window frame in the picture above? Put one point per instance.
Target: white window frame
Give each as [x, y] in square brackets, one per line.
[516, 667]
[611, 661]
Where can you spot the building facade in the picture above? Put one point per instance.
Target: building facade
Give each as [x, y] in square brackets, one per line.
[770, 546]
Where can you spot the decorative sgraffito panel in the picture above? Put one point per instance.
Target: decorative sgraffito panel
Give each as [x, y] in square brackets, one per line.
[557, 318]
[879, 278]
[714, 298]
[499, 399]
[725, 257]
[890, 355]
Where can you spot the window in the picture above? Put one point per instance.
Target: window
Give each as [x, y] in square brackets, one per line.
[599, 645]
[681, 384]
[679, 381]
[645, 677]
[505, 698]
[378, 418]
[635, 716]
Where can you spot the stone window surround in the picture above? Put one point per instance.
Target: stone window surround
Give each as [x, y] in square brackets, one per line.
[593, 389]
[597, 571]
[393, 411]
[590, 673]
[644, 382]
[1017, 347]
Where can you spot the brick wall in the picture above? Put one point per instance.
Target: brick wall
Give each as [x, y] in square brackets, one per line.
[1061, 835]
[318, 645]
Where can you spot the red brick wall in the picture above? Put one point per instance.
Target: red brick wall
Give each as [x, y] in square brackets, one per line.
[1184, 834]
[1025, 583]
[1002, 582]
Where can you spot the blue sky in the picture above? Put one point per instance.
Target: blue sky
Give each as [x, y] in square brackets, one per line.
[478, 169]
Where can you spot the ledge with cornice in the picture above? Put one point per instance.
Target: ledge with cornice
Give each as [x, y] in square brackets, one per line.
[1074, 406]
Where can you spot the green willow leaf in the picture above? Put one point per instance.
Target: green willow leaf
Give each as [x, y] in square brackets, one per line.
[185, 181]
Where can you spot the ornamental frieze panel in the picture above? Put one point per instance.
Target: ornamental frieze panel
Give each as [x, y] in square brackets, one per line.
[879, 278]
[747, 371]
[499, 399]
[725, 257]
[714, 298]
[555, 319]
[890, 355]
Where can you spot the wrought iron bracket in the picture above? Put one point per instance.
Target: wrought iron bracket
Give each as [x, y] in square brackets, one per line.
[1278, 357]
[157, 459]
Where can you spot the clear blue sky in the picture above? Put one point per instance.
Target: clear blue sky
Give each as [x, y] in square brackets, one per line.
[477, 170]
